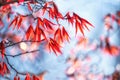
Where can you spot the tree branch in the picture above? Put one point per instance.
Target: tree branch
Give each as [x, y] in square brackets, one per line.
[19, 54]
[13, 67]
[21, 42]
[17, 72]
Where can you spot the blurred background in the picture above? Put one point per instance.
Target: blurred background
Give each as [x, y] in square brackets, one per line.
[93, 57]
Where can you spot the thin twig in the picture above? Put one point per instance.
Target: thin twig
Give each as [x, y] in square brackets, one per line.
[19, 54]
[13, 67]
[21, 42]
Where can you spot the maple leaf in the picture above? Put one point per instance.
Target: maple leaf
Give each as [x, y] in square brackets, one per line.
[40, 22]
[35, 77]
[41, 75]
[2, 49]
[51, 13]
[79, 26]
[16, 78]
[56, 13]
[53, 45]
[35, 35]
[48, 24]
[61, 35]
[27, 77]
[65, 34]
[59, 15]
[45, 7]
[29, 7]
[113, 50]
[58, 35]
[43, 34]
[30, 32]
[14, 21]
[81, 23]
[4, 69]
[110, 49]
[85, 23]
[17, 21]
[1, 69]
[55, 8]
[20, 22]
[38, 33]
[69, 18]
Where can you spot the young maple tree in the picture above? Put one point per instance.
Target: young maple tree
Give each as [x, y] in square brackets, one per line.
[43, 27]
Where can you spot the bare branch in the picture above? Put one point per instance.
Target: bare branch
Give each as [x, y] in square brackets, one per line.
[17, 72]
[13, 67]
[21, 42]
[19, 54]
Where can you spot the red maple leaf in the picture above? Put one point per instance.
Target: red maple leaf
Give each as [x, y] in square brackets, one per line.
[48, 24]
[40, 22]
[35, 77]
[27, 77]
[29, 7]
[2, 49]
[111, 49]
[30, 32]
[79, 26]
[69, 18]
[39, 33]
[58, 36]
[65, 34]
[81, 23]
[3, 69]
[16, 78]
[19, 22]
[14, 22]
[53, 45]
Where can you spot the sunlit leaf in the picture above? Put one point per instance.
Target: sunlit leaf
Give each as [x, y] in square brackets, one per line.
[14, 21]
[65, 34]
[4, 69]
[81, 23]
[30, 32]
[79, 26]
[40, 22]
[27, 77]
[48, 24]
[37, 34]
[53, 45]
[1, 69]
[69, 18]
[58, 36]
[35, 77]
[29, 7]
[16, 78]
[20, 22]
